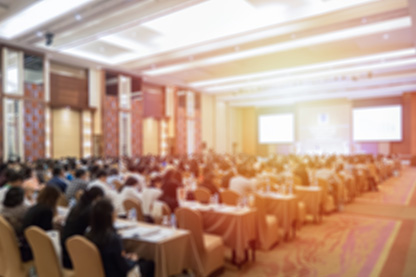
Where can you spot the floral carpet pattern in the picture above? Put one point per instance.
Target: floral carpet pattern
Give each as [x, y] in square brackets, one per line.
[342, 245]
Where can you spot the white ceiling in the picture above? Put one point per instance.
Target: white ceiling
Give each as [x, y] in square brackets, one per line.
[247, 52]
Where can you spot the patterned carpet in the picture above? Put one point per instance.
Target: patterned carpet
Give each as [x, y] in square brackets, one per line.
[343, 245]
[348, 243]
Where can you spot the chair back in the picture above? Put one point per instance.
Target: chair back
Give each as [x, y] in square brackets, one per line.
[297, 180]
[260, 204]
[323, 184]
[230, 197]
[129, 204]
[45, 257]
[202, 195]
[2, 262]
[85, 257]
[11, 255]
[191, 220]
[62, 201]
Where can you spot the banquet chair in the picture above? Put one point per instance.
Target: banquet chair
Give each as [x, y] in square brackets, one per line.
[297, 181]
[301, 214]
[210, 247]
[85, 257]
[268, 228]
[45, 257]
[129, 204]
[164, 211]
[2, 263]
[14, 267]
[202, 195]
[327, 201]
[230, 197]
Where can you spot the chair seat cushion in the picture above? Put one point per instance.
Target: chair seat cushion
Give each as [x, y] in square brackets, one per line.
[211, 242]
[68, 272]
[271, 220]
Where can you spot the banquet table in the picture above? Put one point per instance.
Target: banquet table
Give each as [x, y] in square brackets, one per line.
[236, 225]
[172, 250]
[284, 207]
[311, 196]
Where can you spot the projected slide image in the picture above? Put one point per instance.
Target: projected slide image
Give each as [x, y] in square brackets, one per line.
[276, 128]
[377, 123]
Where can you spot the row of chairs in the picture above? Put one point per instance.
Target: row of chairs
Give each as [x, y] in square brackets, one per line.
[228, 197]
[84, 254]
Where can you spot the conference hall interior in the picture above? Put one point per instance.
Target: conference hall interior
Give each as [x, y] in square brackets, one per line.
[193, 138]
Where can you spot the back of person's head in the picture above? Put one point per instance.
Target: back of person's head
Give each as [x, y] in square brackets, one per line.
[79, 173]
[27, 172]
[49, 196]
[90, 195]
[130, 182]
[57, 171]
[102, 173]
[14, 197]
[14, 177]
[101, 221]
[113, 171]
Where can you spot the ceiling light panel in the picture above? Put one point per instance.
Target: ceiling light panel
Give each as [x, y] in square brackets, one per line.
[315, 75]
[36, 15]
[319, 66]
[384, 26]
[195, 24]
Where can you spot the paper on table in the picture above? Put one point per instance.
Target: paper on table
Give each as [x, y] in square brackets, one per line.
[158, 236]
[139, 232]
[124, 224]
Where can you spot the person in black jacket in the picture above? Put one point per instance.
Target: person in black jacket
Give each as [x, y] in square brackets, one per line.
[115, 261]
[78, 220]
[40, 215]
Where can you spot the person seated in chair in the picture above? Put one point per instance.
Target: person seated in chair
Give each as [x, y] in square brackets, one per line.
[116, 262]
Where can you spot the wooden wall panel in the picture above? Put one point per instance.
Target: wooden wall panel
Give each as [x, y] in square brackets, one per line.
[154, 101]
[69, 91]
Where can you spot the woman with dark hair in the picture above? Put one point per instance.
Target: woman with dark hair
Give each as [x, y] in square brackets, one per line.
[115, 261]
[171, 182]
[209, 184]
[79, 219]
[42, 213]
[14, 208]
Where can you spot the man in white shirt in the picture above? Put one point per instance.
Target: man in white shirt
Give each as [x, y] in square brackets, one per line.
[137, 173]
[108, 192]
[241, 183]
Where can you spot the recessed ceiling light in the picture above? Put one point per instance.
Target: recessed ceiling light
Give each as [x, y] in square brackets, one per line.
[39, 34]
[78, 17]
[386, 36]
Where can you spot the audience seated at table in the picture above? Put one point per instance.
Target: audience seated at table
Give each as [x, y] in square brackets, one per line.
[79, 219]
[116, 262]
[155, 181]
